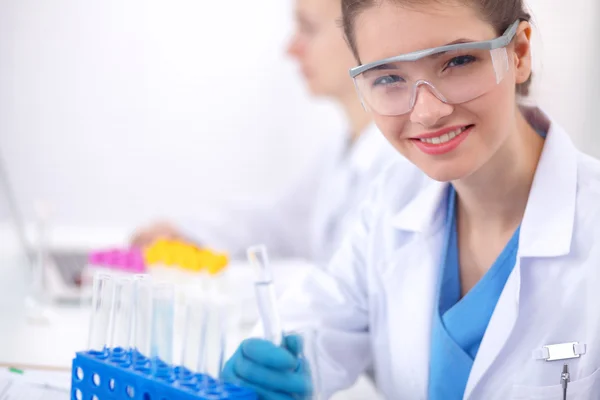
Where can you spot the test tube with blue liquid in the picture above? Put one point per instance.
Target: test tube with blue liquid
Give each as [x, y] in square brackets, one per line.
[163, 320]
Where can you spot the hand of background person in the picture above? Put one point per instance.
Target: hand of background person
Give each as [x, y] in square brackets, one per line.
[146, 236]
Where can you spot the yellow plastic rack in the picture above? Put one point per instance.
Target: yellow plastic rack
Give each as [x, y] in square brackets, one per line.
[176, 253]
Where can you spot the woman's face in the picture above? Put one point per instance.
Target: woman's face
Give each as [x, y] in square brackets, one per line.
[481, 125]
[319, 47]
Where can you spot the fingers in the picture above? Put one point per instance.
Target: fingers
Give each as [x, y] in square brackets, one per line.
[139, 239]
[147, 236]
[269, 370]
[286, 381]
[268, 355]
[294, 344]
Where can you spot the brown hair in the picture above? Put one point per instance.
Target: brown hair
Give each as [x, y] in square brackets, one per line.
[499, 13]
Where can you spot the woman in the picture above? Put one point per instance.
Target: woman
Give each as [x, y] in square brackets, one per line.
[309, 220]
[484, 284]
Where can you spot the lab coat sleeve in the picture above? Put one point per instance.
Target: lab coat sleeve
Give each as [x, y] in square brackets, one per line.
[335, 303]
[283, 223]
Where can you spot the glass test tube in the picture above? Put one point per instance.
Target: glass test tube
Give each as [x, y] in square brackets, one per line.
[265, 294]
[142, 317]
[163, 319]
[101, 313]
[193, 349]
[123, 314]
[214, 339]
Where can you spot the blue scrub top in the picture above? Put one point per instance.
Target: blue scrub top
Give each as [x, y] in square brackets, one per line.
[459, 324]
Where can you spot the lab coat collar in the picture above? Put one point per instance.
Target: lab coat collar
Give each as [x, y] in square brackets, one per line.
[547, 225]
[424, 213]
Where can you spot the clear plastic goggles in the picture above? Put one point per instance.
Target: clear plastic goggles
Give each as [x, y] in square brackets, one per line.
[454, 74]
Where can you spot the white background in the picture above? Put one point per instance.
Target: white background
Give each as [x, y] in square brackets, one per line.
[114, 112]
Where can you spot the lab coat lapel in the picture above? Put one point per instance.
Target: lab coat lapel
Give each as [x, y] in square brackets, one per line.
[546, 231]
[498, 330]
[410, 278]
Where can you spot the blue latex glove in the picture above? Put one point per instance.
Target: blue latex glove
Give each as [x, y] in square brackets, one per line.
[274, 373]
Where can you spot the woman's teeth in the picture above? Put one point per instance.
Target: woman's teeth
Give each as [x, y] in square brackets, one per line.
[446, 137]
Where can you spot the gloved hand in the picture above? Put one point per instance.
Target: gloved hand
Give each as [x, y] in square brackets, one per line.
[274, 373]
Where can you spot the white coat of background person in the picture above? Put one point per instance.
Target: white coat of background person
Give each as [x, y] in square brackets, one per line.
[310, 218]
[514, 171]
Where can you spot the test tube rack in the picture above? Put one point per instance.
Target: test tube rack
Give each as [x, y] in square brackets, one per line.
[117, 374]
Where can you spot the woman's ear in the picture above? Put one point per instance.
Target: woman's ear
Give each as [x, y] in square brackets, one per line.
[522, 47]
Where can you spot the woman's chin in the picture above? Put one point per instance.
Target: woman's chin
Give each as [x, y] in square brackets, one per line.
[445, 174]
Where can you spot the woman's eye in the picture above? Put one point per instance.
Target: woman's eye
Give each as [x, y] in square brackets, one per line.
[387, 80]
[460, 61]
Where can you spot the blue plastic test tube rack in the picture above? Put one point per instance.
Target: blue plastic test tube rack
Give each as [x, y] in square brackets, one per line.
[116, 374]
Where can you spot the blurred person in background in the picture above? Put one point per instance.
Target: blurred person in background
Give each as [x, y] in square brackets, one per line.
[310, 218]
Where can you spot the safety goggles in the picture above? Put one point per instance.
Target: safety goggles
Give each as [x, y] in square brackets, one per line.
[455, 74]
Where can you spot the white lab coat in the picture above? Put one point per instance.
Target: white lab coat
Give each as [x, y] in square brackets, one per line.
[309, 220]
[375, 302]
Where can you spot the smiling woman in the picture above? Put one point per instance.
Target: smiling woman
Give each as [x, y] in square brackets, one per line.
[459, 286]
[465, 88]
